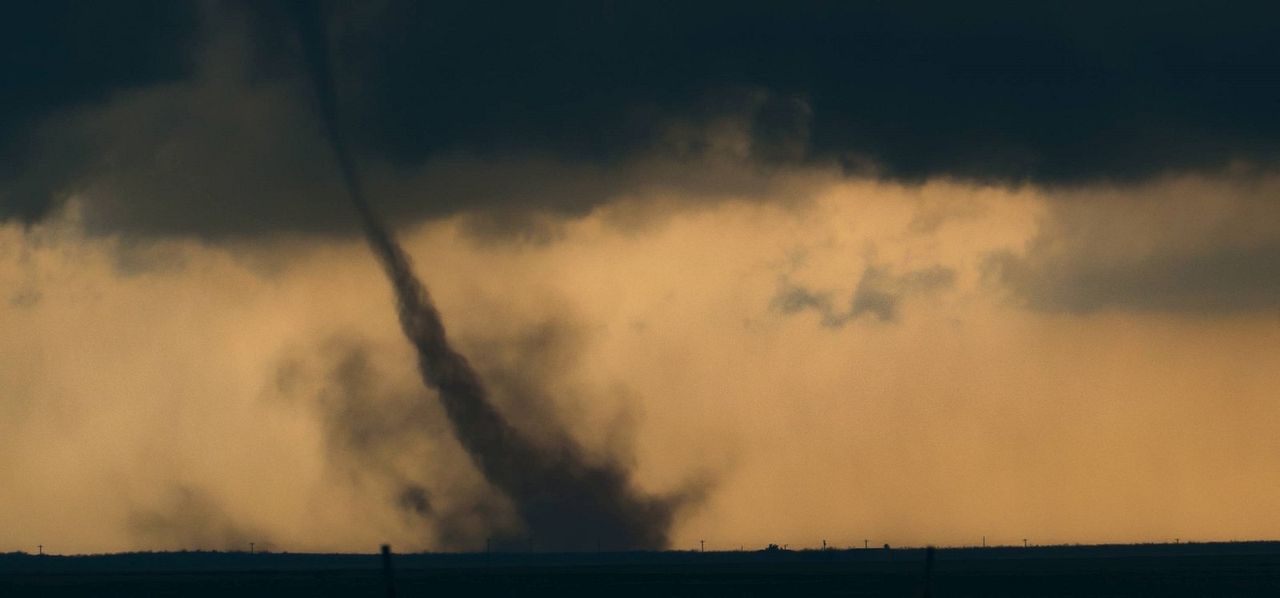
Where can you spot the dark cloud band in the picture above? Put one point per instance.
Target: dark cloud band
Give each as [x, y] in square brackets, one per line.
[910, 91]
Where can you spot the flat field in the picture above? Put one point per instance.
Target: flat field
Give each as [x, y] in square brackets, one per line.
[1220, 569]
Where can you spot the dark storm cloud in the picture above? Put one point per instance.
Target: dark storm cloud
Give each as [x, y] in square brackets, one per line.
[1005, 92]
[1185, 245]
[572, 93]
[1010, 92]
[1215, 281]
[879, 294]
[57, 55]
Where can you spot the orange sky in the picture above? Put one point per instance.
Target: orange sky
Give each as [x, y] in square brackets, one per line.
[145, 380]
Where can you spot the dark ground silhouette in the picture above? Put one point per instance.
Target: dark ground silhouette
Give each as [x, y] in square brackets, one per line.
[1218, 569]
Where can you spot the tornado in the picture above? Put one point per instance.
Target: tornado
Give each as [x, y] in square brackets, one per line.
[565, 500]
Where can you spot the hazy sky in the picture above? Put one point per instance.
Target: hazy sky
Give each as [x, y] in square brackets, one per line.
[914, 274]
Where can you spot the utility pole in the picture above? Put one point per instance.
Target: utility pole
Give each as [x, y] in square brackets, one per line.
[824, 545]
[864, 544]
[388, 574]
[40, 549]
[251, 548]
[928, 572]
[702, 545]
[984, 541]
[1024, 542]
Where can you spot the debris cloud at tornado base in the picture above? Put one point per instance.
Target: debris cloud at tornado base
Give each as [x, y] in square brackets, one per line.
[565, 500]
